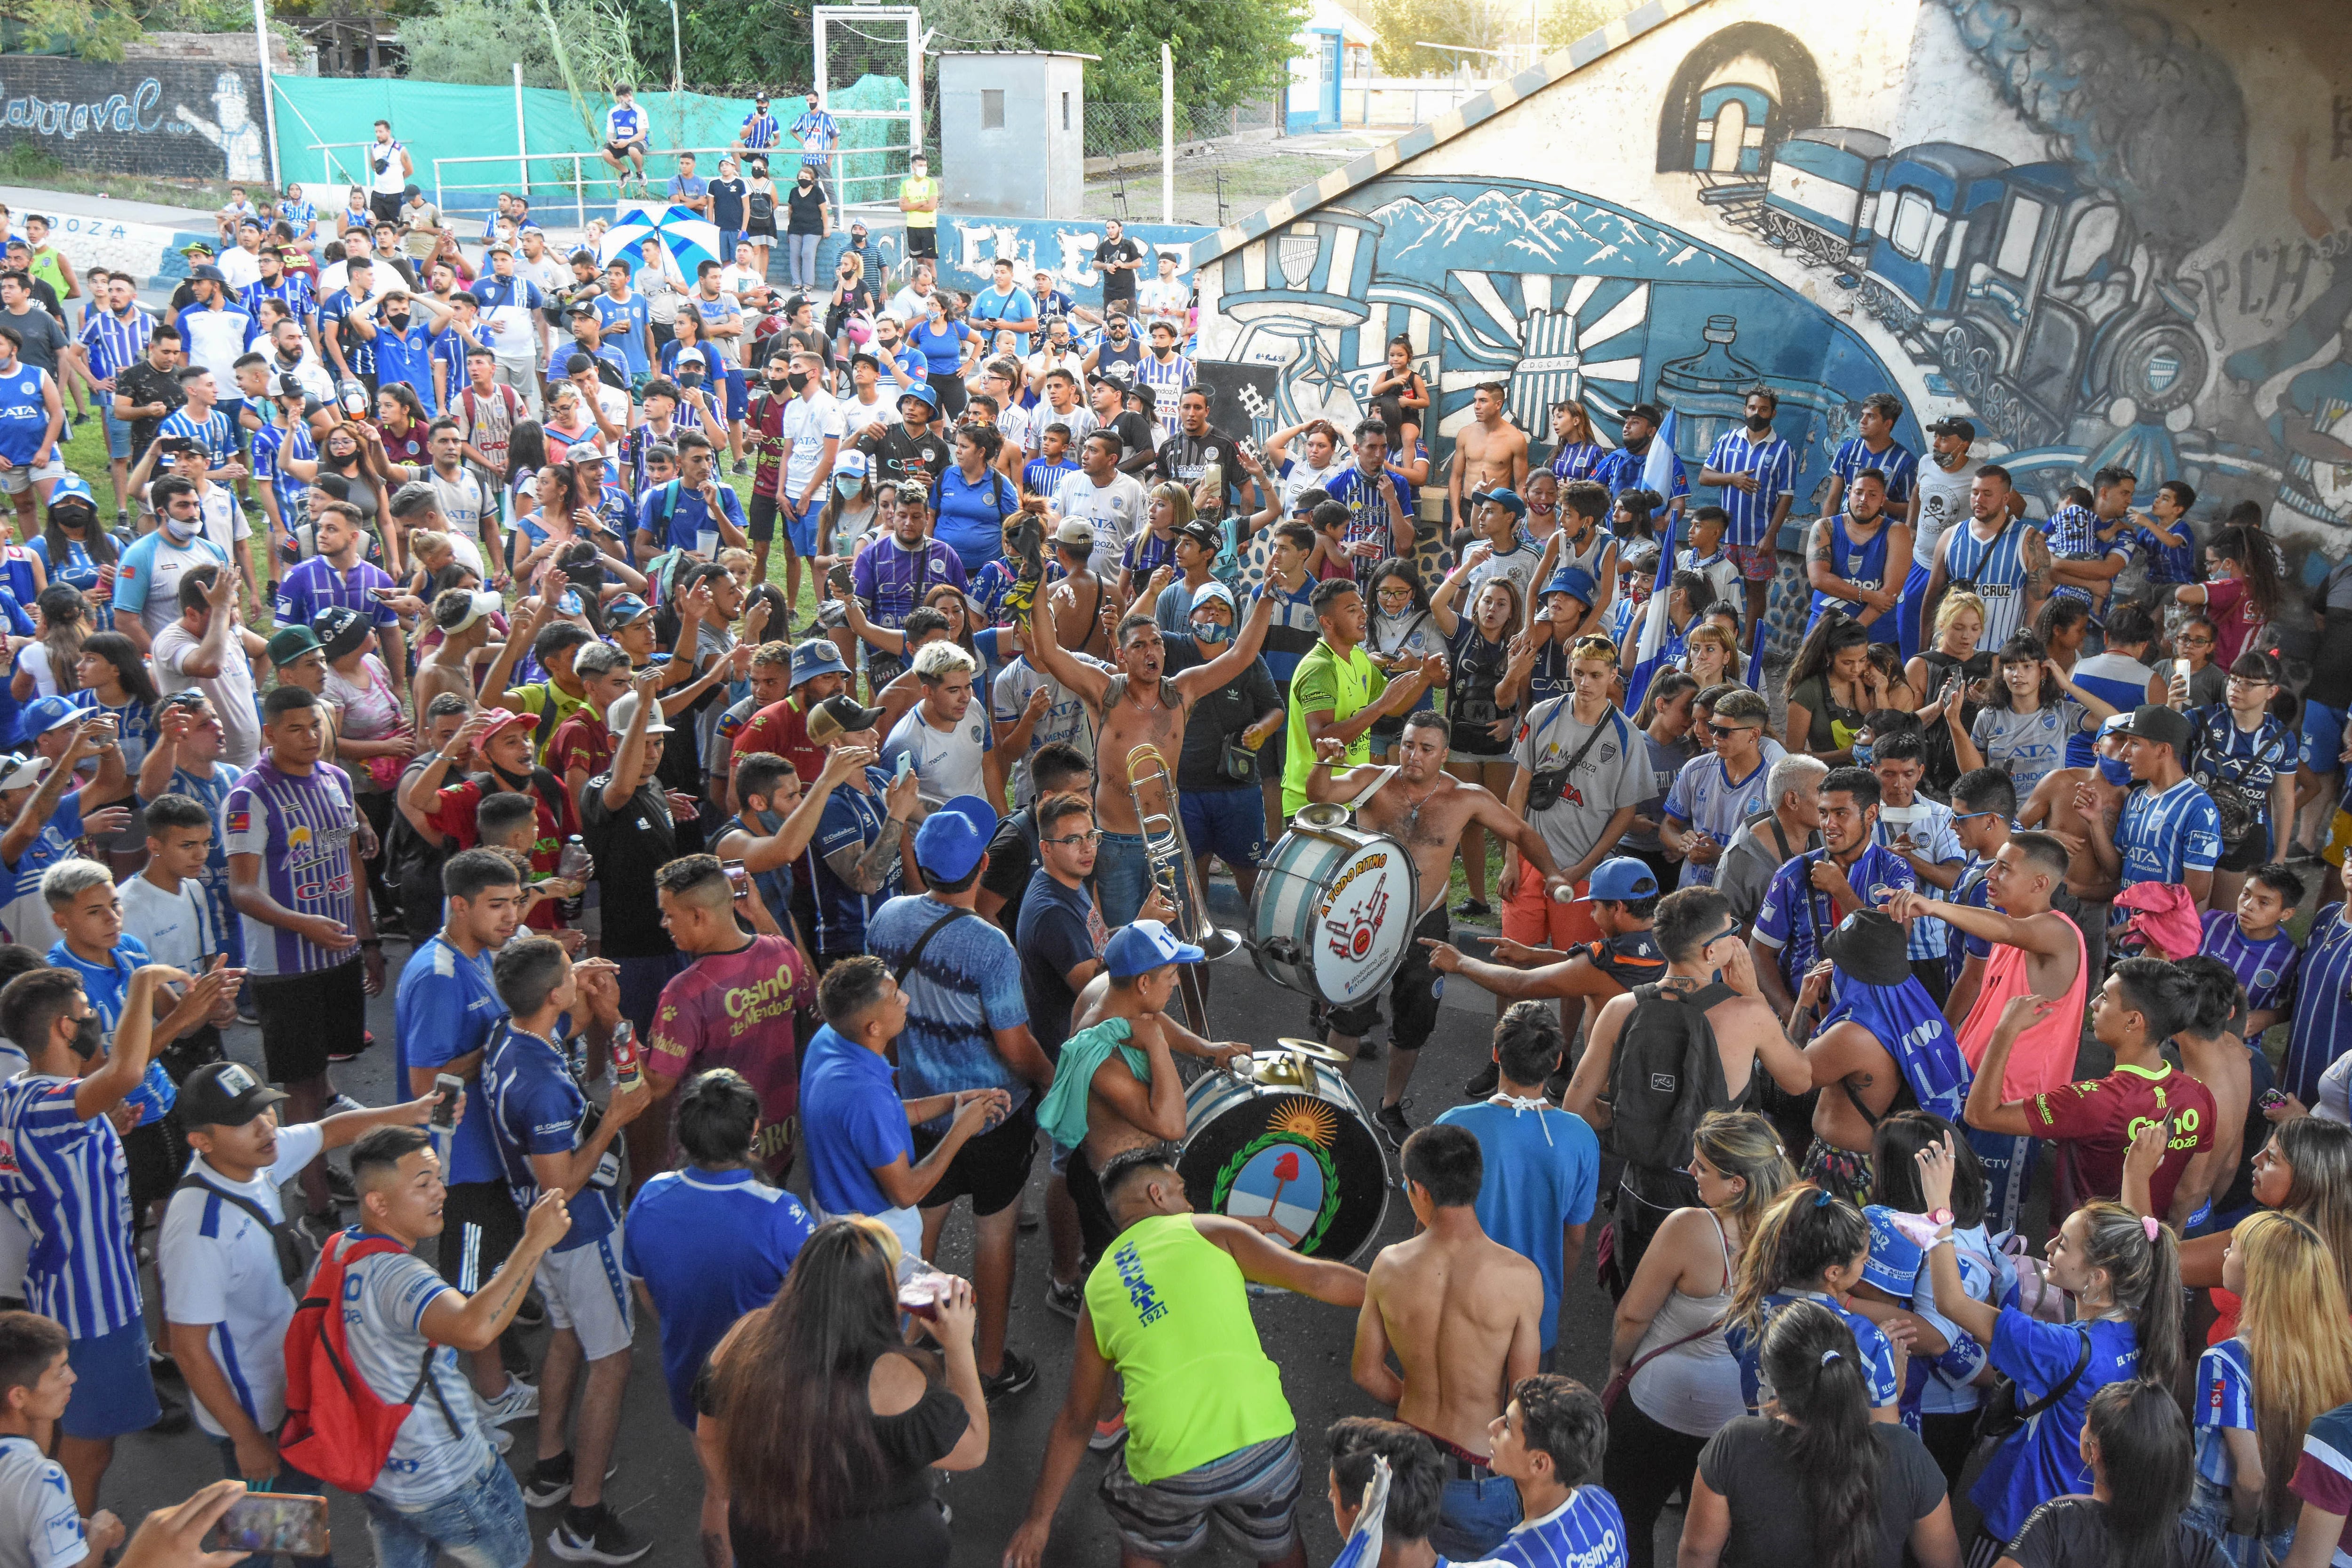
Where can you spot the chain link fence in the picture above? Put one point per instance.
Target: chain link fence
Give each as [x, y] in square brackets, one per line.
[1231, 159]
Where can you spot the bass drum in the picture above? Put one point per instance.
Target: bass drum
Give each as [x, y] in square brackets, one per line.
[1288, 1150]
[1334, 910]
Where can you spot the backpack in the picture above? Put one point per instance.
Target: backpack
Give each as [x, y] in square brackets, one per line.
[336, 1427]
[1666, 1076]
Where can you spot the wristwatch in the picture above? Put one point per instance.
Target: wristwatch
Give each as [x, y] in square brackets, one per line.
[1941, 1217]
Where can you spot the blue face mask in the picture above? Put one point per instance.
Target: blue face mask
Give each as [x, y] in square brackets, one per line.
[2115, 770]
[1211, 631]
[1862, 754]
[848, 484]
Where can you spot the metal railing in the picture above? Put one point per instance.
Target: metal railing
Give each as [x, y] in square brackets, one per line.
[330, 169]
[570, 172]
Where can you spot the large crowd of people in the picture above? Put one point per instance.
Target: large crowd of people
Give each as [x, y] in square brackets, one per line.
[740, 916]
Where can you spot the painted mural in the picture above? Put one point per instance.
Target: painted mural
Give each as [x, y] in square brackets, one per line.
[181, 119]
[2104, 234]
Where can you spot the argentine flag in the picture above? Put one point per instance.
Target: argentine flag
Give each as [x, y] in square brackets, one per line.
[1362, 1547]
[1658, 478]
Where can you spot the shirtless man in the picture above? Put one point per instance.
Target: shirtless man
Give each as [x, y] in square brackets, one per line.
[1116, 1076]
[1130, 709]
[1078, 597]
[1706, 962]
[1464, 1315]
[1425, 808]
[464, 617]
[1489, 453]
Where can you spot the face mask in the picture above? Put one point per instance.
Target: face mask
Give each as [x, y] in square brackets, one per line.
[848, 484]
[398, 323]
[1211, 631]
[797, 381]
[687, 378]
[90, 1038]
[1759, 422]
[2116, 771]
[769, 822]
[178, 530]
[1862, 754]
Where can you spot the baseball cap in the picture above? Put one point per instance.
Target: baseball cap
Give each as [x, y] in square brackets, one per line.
[463, 613]
[1953, 426]
[1622, 877]
[20, 772]
[850, 463]
[1144, 946]
[498, 247]
[1870, 947]
[196, 247]
[579, 308]
[73, 489]
[207, 274]
[290, 644]
[224, 1094]
[43, 714]
[1504, 497]
[625, 708]
[1202, 533]
[952, 840]
[340, 629]
[816, 657]
[1576, 584]
[503, 719]
[1216, 593]
[2149, 722]
[624, 610]
[839, 715]
[922, 395]
[584, 452]
[1649, 411]
[1077, 532]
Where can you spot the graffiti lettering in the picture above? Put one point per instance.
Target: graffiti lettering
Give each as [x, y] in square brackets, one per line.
[131, 114]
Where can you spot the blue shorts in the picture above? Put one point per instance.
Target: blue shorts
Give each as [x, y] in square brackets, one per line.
[799, 527]
[739, 395]
[1227, 823]
[2322, 737]
[113, 1391]
[118, 436]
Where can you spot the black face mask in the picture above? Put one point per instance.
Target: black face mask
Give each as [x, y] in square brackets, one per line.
[779, 386]
[512, 781]
[1759, 422]
[398, 323]
[90, 1038]
[797, 381]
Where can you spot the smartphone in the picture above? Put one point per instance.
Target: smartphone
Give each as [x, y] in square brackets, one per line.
[2273, 1098]
[906, 761]
[738, 878]
[839, 579]
[446, 1091]
[292, 1525]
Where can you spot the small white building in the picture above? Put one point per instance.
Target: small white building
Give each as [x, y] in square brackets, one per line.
[1333, 45]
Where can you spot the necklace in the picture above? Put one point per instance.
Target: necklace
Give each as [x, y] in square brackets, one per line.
[1412, 810]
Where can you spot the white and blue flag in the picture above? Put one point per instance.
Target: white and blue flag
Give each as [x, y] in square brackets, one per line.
[1658, 478]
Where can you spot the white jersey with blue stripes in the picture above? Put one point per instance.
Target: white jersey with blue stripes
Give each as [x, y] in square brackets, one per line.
[1994, 570]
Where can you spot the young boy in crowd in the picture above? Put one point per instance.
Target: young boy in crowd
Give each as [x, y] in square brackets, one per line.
[43, 1525]
[2253, 941]
[1706, 555]
[509, 821]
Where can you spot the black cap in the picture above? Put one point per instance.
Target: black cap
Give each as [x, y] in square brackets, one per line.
[1871, 947]
[340, 629]
[2167, 726]
[224, 1094]
[840, 714]
[1955, 425]
[1649, 411]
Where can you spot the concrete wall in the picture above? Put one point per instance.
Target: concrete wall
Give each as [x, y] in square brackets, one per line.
[176, 119]
[1033, 165]
[2150, 261]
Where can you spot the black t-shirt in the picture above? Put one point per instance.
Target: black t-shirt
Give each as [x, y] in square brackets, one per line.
[1185, 458]
[2331, 662]
[1136, 432]
[144, 384]
[1217, 718]
[630, 844]
[806, 207]
[1011, 855]
[1118, 285]
[2071, 1530]
[1748, 1464]
[901, 457]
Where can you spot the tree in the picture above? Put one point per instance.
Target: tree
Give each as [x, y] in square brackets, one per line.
[1498, 27]
[94, 29]
[478, 43]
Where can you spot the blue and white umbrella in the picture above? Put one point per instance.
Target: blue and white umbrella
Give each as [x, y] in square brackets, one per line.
[691, 239]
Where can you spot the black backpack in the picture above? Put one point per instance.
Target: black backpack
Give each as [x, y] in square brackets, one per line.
[1667, 1074]
[298, 1254]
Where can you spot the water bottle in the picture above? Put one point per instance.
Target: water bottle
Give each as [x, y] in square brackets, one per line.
[628, 1062]
[1213, 481]
[570, 866]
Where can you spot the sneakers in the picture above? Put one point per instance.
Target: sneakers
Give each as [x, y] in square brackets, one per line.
[1489, 1079]
[500, 1438]
[1390, 1120]
[550, 1482]
[163, 1368]
[1109, 1433]
[174, 1419]
[1066, 1298]
[1473, 910]
[594, 1535]
[514, 1402]
[1017, 1374]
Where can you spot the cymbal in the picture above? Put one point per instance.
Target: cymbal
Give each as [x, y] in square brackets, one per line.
[1315, 1048]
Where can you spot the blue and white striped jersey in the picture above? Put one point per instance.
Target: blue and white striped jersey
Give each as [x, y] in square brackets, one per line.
[1775, 468]
[2323, 1015]
[2162, 836]
[1897, 462]
[73, 1186]
[1994, 570]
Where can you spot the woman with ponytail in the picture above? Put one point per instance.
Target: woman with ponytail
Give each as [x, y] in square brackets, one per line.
[2259, 1390]
[1809, 1246]
[1868, 1489]
[2241, 592]
[2250, 741]
[2134, 1444]
[2124, 1274]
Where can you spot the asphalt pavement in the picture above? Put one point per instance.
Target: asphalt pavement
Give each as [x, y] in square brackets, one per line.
[658, 1488]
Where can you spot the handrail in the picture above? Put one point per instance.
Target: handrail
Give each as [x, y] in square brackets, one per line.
[579, 179]
[331, 171]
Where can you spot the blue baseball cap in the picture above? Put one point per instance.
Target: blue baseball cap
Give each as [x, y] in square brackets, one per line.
[43, 714]
[1573, 581]
[816, 657]
[1622, 879]
[624, 609]
[952, 840]
[923, 395]
[1504, 497]
[1144, 946]
[73, 488]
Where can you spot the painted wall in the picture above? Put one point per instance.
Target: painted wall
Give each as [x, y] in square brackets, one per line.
[175, 119]
[2105, 230]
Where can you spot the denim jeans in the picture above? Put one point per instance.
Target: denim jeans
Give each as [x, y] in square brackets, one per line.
[1474, 1515]
[2209, 1515]
[1122, 878]
[480, 1525]
[287, 1479]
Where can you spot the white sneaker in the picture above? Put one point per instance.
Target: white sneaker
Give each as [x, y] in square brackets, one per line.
[517, 1400]
[500, 1438]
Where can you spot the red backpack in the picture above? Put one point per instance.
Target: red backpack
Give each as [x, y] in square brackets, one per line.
[336, 1427]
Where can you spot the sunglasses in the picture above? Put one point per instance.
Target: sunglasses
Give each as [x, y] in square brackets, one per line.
[1960, 816]
[1714, 729]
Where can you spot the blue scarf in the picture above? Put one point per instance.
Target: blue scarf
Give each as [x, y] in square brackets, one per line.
[1907, 1021]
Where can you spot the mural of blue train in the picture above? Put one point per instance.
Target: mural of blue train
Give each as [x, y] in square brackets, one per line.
[2030, 290]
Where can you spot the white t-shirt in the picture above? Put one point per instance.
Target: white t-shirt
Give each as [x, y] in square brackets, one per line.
[219, 1267]
[231, 690]
[1116, 510]
[857, 415]
[947, 763]
[1942, 501]
[177, 927]
[1517, 568]
[734, 279]
[392, 179]
[1012, 423]
[910, 307]
[1168, 298]
[33, 660]
[223, 519]
[1080, 420]
[44, 1528]
[239, 266]
[382, 1314]
[807, 423]
[461, 501]
[1065, 719]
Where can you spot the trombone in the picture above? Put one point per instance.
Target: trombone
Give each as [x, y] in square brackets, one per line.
[1173, 873]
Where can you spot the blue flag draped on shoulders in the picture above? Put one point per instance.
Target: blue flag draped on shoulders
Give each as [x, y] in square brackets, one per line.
[1658, 478]
[1907, 1021]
